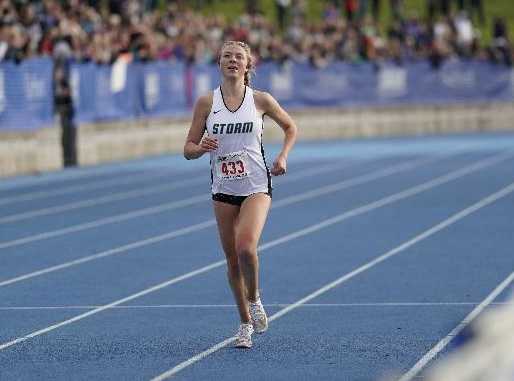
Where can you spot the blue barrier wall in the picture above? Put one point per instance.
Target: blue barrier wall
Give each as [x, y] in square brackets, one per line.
[164, 89]
[26, 100]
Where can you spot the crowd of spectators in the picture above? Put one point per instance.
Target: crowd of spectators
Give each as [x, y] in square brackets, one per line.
[101, 31]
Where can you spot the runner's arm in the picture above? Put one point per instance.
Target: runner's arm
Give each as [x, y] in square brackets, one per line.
[195, 146]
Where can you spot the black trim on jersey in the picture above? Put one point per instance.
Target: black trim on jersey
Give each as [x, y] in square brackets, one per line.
[223, 99]
[270, 188]
[212, 177]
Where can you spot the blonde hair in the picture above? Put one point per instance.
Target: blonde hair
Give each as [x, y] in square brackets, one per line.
[251, 65]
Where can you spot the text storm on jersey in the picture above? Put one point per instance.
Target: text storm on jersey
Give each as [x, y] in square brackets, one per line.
[232, 128]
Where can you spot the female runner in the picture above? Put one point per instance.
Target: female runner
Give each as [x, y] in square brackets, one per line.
[228, 124]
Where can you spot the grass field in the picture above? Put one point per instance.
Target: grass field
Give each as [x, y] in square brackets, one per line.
[505, 8]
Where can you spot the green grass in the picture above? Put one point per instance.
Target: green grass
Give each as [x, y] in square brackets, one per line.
[231, 9]
[495, 8]
[492, 8]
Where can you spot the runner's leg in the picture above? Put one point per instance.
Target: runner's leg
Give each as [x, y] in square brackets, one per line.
[252, 218]
[227, 216]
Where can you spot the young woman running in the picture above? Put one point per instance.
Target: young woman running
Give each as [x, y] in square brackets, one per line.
[227, 123]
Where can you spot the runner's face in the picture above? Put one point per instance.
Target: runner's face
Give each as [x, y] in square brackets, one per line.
[233, 61]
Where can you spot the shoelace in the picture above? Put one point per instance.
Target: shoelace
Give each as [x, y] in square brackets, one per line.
[245, 330]
[257, 310]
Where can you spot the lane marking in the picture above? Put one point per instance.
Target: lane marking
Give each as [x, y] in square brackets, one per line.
[58, 177]
[130, 179]
[427, 233]
[137, 193]
[106, 253]
[125, 180]
[271, 305]
[106, 221]
[418, 367]
[95, 201]
[174, 205]
[311, 229]
[197, 227]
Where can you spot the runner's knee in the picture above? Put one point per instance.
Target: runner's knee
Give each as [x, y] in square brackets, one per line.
[246, 250]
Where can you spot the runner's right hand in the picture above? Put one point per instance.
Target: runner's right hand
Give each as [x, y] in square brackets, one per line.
[209, 144]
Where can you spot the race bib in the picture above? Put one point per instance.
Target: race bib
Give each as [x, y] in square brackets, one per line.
[232, 166]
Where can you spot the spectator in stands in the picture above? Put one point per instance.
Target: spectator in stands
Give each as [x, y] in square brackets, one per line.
[362, 9]
[375, 9]
[477, 6]
[298, 9]
[473, 7]
[440, 42]
[320, 56]
[431, 10]
[395, 38]
[350, 48]
[445, 7]
[282, 9]
[4, 42]
[465, 34]
[136, 27]
[18, 43]
[252, 7]
[397, 9]
[351, 7]
[501, 50]
[369, 38]
[330, 13]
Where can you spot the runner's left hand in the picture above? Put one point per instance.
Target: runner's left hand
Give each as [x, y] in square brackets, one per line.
[279, 166]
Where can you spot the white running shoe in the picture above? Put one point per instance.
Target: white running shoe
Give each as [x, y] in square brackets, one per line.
[259, 318]
[244, 336]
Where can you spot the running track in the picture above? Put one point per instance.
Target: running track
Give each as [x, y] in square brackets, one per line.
[374, 251]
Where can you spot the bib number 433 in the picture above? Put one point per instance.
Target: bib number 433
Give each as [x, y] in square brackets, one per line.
[233, 166]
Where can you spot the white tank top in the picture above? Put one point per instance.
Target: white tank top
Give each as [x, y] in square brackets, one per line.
[238, 166]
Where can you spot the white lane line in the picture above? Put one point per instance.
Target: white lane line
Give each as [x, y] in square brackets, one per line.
[132, 194]
[261, 248]
[420, 237]
[106, 221]
[353, 182]
[197, 227]
[57, 178]
[315, 193]
[142, 178]
[113, 304]
[414, 371]
[174, 205]
[270, 305]
[125, 180]
[100, 200]
[106, 253]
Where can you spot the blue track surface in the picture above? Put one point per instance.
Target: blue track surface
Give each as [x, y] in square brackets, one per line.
[115, 272]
